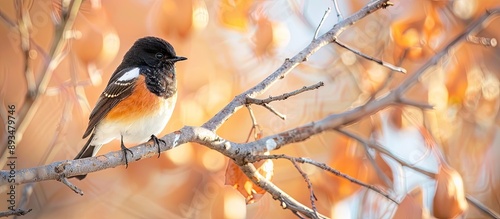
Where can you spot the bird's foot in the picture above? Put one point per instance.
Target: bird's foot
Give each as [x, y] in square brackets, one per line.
[157, 141]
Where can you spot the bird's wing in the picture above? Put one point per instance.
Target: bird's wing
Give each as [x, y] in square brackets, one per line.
[120, 86]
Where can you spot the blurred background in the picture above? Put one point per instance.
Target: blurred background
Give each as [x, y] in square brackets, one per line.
[232, 45]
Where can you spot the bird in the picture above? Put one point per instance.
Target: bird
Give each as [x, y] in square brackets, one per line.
[138, 100]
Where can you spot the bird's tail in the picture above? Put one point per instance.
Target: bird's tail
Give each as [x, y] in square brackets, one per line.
[86, 151]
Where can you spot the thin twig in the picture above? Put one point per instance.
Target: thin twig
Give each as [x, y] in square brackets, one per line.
[7, 20]
[321, 23]
[379, 171]
[482, 207]
[25, 195]
[298, 214]
[373, 59]
[17, 212]
[31, 104]
[284, 96]
[252, 116]
[420, 105]
[256, 130]
[389, 77]
[24, 27]
[206, 135]
[484, 41]
[286, 201]
[339, 14]
[270, 108]
[321, 166]
[265, 102]
[75, 189]
[216, 121]
[312, 196]
[472, 29]
[382, 149]
[59, 169]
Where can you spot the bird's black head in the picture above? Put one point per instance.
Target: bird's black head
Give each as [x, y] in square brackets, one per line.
[152, 52]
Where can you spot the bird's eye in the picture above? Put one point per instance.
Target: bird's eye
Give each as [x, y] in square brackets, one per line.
[159, 55]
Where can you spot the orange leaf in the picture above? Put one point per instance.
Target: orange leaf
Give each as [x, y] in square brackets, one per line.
[415, 34]
[396, 117]
[235, 14]
[236, 178]
[411, 206]
[449, 200]
[263, 37]
[349, 161]
[382, 164]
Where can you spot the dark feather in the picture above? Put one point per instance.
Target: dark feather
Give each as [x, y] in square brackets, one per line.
[86, 151]
[115, 92]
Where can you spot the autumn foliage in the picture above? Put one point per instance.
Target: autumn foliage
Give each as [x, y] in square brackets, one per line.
[429, 160]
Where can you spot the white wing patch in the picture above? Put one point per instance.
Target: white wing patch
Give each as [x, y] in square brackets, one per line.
[131, 74]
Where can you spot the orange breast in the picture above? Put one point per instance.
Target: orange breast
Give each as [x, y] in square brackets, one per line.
[139, 104]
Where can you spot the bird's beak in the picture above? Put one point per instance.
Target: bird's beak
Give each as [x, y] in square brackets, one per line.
[179, 58]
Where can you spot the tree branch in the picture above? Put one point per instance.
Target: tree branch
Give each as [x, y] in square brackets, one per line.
[312, 196]
[286, 201]
[206, 135]
[16, 212]
[484, 209]
[339, 14]
[256, 130]
[481, 207]
[284, 96]
[24, 28]
[215, 122]
[32, 101]
[323, 166]
[380, 62]
[321, 22]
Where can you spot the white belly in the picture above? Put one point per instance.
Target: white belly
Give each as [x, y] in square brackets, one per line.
[137, 132]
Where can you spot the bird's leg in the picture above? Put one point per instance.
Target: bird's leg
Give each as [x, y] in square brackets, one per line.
[125, 150]
[157, 141]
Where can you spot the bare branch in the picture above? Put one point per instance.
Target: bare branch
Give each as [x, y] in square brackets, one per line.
[471, 30]
[70, 185]
[207, 136]
[420, 105]
[68, 168]
[481, 207]
[286, 201]
[256, 130]
[380, 62]
[31, 104]
[265, 102]
[284, 96]
[274, 111]
[25, 195]
[312, 196]
[381, 149]
[321, 23]
[17, 212]
[339, 14]
[321, 166]
[215, 122]
[379, 171]
[389, 77]
[7, 20]
[24, 27]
